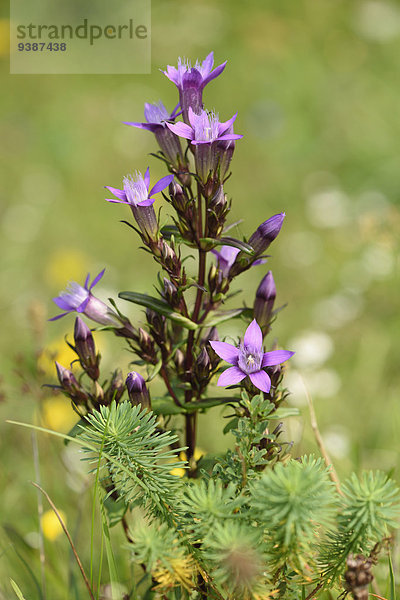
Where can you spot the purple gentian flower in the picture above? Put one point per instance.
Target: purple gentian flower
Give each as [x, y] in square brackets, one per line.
[157, 116]
[249, 359]
[191, 81]
[80, 299]
[265, 233]
[137, 195]
[137, 390]
[225, 258]
[205, 132]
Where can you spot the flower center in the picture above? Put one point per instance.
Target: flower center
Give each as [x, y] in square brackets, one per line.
[135, 188]
[249, 359]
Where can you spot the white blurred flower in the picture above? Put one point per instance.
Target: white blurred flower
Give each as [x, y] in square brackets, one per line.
[337, 441]
[328, 208]
[337, 310]
[312, 348]
[378, 20]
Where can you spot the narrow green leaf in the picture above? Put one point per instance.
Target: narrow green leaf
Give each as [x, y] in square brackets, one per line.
[155, 370]
[159, 306]
[392, 579]
[225, 315]
[115, 510]
[283, 413]
[209, 402]
[16, 590]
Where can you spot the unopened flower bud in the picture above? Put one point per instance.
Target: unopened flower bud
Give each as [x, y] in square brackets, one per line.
[170, 293]
[137, 390]
[178, 196]
[70, 385]
[147, 347]
[213, 337]
[264, 302]
[85, 349]
[265, 234]
[202, 366]
[115, 389]
[217, 209]
[179, 360]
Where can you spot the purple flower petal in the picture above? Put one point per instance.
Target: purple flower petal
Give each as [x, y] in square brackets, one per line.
[276, 357]
[176, 112]
[96, 280]
[181, 130]
[207, 65]
[217, 71]
[222, 127]
[161, 184]
[253, 337]
[147, 177]
[58, 317]
[261, 380]
[81, 307]
[192, 79]
[117, 201]
[118, 193]
[230, 136]
[85, 285]
[172, 74]
[148, 126]
[226, 351]
[147, 202]
[61, 303]
[231, 376]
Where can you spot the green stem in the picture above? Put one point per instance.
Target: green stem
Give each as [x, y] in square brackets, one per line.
[191, 419]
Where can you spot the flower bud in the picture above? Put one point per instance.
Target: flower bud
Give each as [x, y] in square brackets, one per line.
[202, 366]
[137, 390]
[179, 360]
[217, 209]
[70, 385]
[85, 349]
[170, 293]
[264, 302]
[147, 347]
[115, 389]
[265, 234]
[178, 196]
[212, 337]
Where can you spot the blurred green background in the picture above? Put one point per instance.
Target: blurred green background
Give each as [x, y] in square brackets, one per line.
[316, 85]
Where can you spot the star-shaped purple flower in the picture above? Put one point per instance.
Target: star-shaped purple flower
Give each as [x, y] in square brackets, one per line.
[136, 189]
[80, 299]
[249, 359]
[191, 81]
[205, 128]
[157, 116]
[206, 132]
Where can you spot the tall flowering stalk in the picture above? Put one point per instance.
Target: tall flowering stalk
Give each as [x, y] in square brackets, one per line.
[251, 527]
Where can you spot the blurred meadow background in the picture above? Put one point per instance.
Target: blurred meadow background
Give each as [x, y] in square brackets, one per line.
[316, 85]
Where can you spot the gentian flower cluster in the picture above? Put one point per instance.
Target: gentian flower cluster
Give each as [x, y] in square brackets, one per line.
[179, 339]
[258, 524]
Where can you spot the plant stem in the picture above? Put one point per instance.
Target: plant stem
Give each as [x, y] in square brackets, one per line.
[191, 419]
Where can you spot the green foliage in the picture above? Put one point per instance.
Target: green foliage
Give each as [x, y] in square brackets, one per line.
[233, 551]
[369, 508]
[136, 456]
[292, 503]
[204, 504]
[157, 546]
